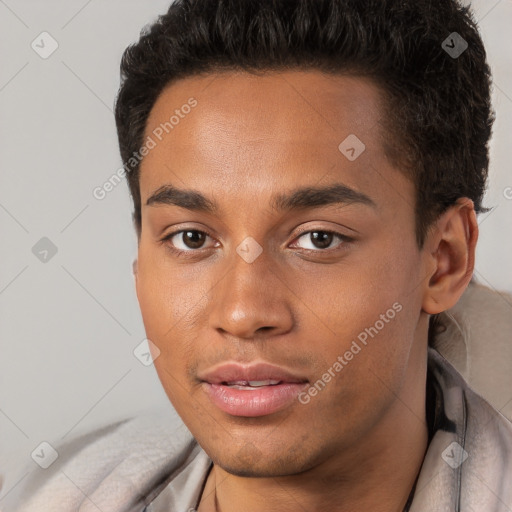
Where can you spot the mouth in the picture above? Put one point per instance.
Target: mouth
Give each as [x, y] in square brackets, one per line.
[251, 384]
[252, 390]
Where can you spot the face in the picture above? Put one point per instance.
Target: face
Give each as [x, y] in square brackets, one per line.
[296, 249]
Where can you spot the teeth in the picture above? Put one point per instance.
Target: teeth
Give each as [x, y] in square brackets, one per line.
[243, 384]
[256, 383]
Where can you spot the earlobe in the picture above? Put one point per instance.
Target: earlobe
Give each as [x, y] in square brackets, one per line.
[134, 268]
[450, 249]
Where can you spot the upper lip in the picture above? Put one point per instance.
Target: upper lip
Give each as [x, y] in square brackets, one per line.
[231, 372]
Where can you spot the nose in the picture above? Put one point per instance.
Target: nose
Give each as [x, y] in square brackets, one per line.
[251, 300]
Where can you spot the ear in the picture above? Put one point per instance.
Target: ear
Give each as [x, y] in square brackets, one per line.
[450, 256]
[135, 269]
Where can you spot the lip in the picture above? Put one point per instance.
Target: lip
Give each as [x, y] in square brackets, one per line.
[230, 372]
[250, 402]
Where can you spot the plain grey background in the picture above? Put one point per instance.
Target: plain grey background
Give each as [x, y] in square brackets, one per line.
[69, 325]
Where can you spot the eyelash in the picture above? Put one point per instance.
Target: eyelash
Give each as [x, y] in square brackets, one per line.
[181, 253]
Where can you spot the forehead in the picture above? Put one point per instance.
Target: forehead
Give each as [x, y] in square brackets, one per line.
[262, 132]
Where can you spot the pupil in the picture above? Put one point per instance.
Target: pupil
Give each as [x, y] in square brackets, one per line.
[321, 241]
[193, 239]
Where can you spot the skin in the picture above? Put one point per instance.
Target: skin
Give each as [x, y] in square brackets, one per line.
[359, 443]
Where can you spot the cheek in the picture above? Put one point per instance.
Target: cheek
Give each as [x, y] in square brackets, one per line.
[367, 315]
[173, 300]
[345, 299]
[166, 306]
[169, 295]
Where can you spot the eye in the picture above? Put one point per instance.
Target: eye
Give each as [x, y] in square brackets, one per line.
[320, 239]
[193, 240]
[186, 240]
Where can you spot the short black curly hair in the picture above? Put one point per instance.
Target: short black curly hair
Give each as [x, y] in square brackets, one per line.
[438, 109]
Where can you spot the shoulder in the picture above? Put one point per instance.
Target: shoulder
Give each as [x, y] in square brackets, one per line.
[487, 478]
[111, 468]
[481, 434]
[475, 336]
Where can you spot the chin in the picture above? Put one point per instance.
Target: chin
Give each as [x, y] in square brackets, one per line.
[250, 463]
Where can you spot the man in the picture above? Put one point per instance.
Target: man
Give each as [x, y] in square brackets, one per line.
[306, 176]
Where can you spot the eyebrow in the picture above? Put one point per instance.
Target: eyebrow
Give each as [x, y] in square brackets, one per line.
[300, 198]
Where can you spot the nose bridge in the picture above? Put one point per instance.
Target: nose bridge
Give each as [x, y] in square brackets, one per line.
[250, 297]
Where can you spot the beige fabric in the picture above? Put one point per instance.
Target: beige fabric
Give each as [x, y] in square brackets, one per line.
[478, 343]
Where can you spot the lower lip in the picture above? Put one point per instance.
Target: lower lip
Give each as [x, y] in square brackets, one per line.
[253, 402]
